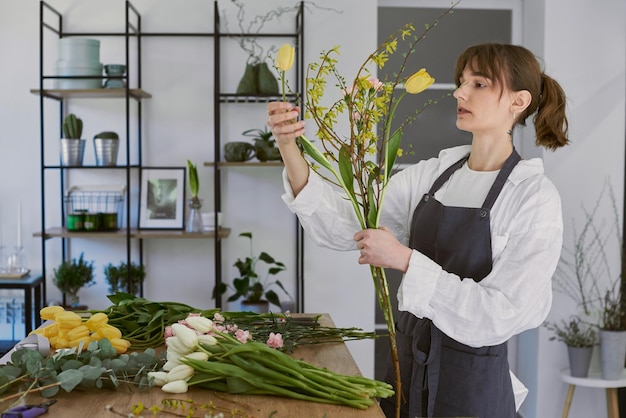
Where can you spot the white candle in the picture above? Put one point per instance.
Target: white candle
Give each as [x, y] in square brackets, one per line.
[19, 224]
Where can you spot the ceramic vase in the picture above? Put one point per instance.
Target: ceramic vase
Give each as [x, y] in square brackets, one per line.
[579, 360]
[267, 83]
[249, 80]
[612, 353]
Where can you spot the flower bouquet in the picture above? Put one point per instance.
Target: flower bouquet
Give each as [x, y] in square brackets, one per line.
[370, 105]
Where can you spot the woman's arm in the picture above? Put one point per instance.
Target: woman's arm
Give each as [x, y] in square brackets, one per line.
[283, 122]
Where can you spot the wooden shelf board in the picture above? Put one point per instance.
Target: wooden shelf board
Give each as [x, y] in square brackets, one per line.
[60, 232]
[91, 93]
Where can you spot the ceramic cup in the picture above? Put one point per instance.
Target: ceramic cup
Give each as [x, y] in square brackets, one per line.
[237, 151]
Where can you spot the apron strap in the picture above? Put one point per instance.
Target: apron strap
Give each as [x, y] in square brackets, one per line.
[503, 175]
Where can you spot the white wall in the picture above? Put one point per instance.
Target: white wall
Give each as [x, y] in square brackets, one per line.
[178, 124]
[585, 49]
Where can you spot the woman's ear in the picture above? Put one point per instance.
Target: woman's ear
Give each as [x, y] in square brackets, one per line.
[520, 101]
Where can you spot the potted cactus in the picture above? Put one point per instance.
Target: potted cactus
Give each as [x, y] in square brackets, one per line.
[105, 146]
[72, 146]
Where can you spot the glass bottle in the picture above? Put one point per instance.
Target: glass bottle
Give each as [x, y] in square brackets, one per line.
[194, 222]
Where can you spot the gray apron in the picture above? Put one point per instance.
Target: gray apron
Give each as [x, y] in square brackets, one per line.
[440, 376]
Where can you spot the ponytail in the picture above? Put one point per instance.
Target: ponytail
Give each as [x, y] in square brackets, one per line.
[550, 121]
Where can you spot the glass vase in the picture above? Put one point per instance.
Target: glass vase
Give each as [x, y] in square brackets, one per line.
[194, 222]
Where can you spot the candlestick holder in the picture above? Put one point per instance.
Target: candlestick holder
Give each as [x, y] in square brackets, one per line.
[16, 263]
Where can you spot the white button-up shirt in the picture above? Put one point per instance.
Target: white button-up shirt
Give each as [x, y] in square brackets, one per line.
[526, 235]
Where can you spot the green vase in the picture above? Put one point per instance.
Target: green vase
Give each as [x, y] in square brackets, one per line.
[267, 82]
[249, 81]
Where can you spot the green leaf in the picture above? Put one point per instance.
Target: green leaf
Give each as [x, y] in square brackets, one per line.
[193, 178]
[72, 364]
[272, 297]
[314, 153]
[69, 379]
[345, 168]
[392, 152]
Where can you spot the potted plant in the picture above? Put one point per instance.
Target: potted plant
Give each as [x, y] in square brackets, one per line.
[585, 274]
[106, 145]
[580, 338]
[71, 276]
[72, 146]
[253, 291]
[124, 278]
[264, 144]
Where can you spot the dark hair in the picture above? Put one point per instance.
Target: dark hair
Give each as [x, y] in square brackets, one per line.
[516, 68]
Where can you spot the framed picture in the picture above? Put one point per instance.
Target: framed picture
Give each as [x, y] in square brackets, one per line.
[162, 198]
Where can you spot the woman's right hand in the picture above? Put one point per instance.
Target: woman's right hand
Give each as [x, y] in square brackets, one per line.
[282, 119]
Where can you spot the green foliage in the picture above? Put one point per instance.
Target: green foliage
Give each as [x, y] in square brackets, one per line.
[574, 333]
[72, 275]
[255, 368]
[72, 127]
[248, 285]
[143, 322]
[96, 367]
[120, 279]
[194, 183]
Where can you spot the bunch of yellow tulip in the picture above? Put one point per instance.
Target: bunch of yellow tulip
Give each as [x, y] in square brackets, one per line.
[70, 329]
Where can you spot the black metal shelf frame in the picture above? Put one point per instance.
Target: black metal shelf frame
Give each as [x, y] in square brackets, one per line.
[130, 29]
[221, 98]
[133, 29]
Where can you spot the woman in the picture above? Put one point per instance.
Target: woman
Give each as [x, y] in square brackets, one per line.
[476, 231]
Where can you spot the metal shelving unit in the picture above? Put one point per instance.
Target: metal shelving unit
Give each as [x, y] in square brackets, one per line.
[135, 95]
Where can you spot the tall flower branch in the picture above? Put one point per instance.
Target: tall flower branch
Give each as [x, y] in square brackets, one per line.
[351, 159]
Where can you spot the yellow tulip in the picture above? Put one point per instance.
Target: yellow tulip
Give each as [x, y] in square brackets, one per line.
[49, 312]
[78, 332]
[284, 59]
[68, 319]
[109, 331]
[76, 342]
[120, 345]
[418, 82]
[96, 321]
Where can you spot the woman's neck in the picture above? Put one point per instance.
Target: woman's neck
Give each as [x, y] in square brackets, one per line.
[489, 155]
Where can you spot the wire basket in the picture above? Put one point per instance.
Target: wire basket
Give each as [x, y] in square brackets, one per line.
[94, 208]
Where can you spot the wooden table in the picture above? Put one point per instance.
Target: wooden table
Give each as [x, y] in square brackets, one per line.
[594, 380]
[334, 356]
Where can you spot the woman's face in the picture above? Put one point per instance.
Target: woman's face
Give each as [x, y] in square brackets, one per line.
[483, 107]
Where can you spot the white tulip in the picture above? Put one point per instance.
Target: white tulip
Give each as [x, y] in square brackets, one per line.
[198, 355]
[186, 336]
[177, 386]
[160, 378]
[181, 372]
[200, 323]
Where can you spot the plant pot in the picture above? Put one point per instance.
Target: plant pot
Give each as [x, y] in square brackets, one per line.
[256, 307]
[72, 151]
[579, 360]
[105, 150]
[612, 353]
[237, 151]
[266, 151]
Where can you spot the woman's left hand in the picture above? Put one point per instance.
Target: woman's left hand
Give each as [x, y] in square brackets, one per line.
[380, 248]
